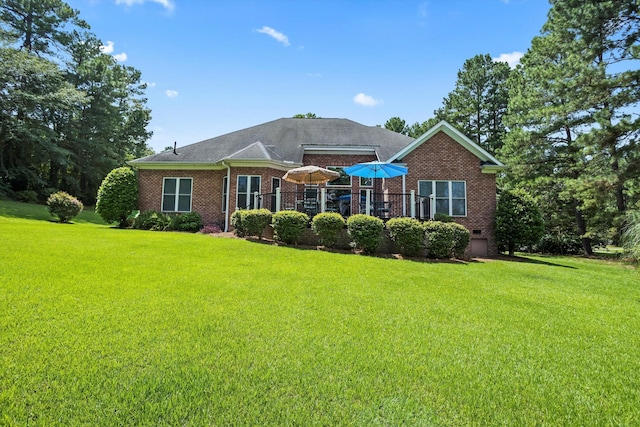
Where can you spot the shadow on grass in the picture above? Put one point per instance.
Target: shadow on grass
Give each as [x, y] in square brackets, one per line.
[517, 258]
[343, 251]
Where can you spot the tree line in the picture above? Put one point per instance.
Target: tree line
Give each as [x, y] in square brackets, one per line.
[565, 121]
[69, 113]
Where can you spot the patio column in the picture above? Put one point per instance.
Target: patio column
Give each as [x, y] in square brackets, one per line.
[368, 201]
[278, 199]
[323, 199]
[256, 200]
[432, 205]
[413, 203]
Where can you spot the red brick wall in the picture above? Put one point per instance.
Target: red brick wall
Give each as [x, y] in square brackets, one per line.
[442, 158]
[206, 192]
[265, 180]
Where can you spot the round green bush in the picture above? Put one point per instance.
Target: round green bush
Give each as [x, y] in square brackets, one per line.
[64, 206]
[365, 232]
[461, 238]
[518, 220]
[255, 221]
[118, 196]
[442, 217]
[288, 226]
[190, 222]
[328, 226]
[236, 223]
[408, 235]
[439, 239]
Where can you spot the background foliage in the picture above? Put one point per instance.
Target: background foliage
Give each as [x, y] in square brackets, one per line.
[68, 113]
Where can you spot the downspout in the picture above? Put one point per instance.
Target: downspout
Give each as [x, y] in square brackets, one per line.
[226, 213]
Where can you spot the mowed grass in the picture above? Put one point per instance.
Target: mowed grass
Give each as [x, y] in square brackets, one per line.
[100, 326]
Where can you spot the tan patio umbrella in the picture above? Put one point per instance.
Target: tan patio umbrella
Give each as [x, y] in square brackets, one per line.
[310, 175]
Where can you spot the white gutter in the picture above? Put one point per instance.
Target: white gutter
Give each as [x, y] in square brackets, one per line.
[226, 211]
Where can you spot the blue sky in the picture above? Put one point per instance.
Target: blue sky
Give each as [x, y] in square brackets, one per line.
[214, 67]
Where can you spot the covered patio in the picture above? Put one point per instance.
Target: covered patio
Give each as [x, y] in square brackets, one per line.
[314, 200]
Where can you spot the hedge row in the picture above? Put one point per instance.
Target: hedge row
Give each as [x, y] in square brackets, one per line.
[158, 221]
[435, 239]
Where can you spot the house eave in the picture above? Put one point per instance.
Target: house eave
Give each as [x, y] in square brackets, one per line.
[176, 165]
[492, 168]
[279, 165]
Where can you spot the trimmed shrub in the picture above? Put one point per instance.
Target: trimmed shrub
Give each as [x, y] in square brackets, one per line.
[152, 220]
[408, 235]
[328, 226]
[461, 237]
[64, 206]
[518, 220]
[288, 226]
[365, 232]
[236, 223]
[439, 239]
[118, 196]
[255, 221]
[442, 217]
[190, 222]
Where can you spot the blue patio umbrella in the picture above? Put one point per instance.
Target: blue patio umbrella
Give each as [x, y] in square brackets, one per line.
[376, 170]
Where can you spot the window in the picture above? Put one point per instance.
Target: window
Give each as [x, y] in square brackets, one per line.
[225, 181]
[176, 194]
[344, 179]
[450, 196]
[247, 185]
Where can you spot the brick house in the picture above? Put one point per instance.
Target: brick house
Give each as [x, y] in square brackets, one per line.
[447, 173]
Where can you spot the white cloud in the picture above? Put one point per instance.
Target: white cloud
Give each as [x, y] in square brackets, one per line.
[512, 58]
[167, 4]
[150, 84]
[172, 93]
[108, 48]
[120, 57]
[366, 100]
[275, 34]
[314, 75]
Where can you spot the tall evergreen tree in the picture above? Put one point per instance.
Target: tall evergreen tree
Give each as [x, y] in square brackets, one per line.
[479, 101]
[71, 113]
[570, 110]
[38, 26]
[398, 125]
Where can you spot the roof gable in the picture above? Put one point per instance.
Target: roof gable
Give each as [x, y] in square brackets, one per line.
[488, 161]
[255, 151]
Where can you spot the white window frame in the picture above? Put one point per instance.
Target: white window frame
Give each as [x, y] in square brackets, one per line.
[450, 197]
[176, 194]
[250, 190]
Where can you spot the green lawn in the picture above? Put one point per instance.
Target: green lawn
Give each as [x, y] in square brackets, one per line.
[100, 326]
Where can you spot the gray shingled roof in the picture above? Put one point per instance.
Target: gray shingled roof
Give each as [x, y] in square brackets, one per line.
[284, 140]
